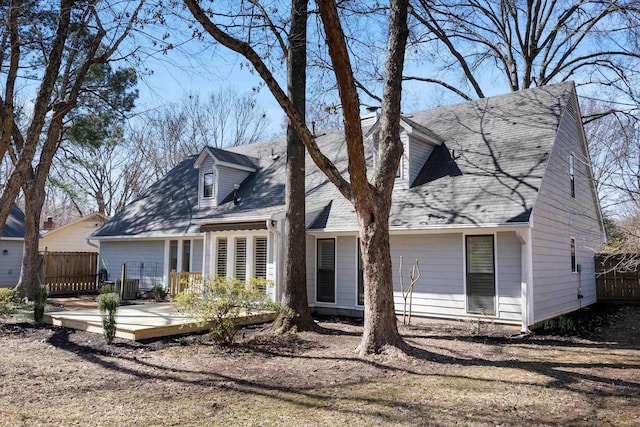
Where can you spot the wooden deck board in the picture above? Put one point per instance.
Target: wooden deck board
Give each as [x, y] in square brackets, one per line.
[138, 322]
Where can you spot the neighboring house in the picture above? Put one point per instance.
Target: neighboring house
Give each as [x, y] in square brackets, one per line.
[11, 247]
[494, 197]
[73, 237]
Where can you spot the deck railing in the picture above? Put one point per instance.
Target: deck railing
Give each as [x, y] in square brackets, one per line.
[185, 280]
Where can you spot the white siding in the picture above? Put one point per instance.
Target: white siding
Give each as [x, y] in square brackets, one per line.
[440, 289]
[418, 154]
[557, 217]
[11, 263]
[72, 238]
[227, 179]
[311, 269]
[207, 166]
[346, 278]
[509, 280]
[143, 258]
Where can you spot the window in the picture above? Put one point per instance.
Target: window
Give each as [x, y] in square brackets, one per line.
[481, 285]
[571, 176]
[241, 259]
[360, 276]
[207, 187]
[326, 271]
[221, 257]
[186, 255]
[260, 258]
[173, 255]
[574, 267]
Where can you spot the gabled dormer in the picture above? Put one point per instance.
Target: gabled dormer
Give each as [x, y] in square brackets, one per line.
[220, 173]
[418, 141]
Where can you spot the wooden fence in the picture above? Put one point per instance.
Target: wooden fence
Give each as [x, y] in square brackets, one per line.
[181, 281]
[66, 273]
[618, 278]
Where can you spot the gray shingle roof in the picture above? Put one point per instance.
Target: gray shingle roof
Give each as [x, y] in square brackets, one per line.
[14, 227]
[487, 171]
[231, 157]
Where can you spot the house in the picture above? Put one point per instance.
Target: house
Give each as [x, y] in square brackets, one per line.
[72, 237]
[11, 247]
[495, 198]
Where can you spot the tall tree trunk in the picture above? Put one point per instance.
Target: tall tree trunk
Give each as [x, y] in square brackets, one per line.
[294, 283]
[30, 271]
[380, 324]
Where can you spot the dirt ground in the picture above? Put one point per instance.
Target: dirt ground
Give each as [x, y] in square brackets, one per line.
[459, 373]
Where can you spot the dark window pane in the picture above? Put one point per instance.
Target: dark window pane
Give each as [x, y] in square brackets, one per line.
[207, 187]
[326, 276]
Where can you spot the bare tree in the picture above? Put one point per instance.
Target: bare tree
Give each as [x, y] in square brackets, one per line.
[102, 178]
[84, 34]
[527, 44]
[371, 199]
[224, 118]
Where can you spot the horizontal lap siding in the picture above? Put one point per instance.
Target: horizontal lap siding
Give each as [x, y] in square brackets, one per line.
[418, 154]
[557, 217]
[228, 178]
[113, 254]
[509, 276]
[346, 264]
[72, 238]
[440, 288]
[311, 269]
[11, 263]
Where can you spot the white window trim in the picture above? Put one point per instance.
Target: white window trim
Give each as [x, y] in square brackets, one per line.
[213, 185]
[573, 242]
[495, 274]
[335, 271]
[572, 175]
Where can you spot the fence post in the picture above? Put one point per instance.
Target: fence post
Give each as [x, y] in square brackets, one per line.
[122, 279]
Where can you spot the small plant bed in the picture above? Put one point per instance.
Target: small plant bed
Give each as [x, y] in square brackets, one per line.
[589, 322]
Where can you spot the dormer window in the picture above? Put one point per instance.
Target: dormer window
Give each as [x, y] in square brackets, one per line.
[221, 172]
[207, 186]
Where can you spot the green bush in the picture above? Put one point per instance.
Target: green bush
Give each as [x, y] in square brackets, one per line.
[107, 289]
[159, 292]
[9, 298]
[223, 300]
[108, 305]
[39, 302]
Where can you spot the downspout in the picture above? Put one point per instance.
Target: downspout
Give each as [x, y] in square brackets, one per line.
[92, 244]
[271, 228]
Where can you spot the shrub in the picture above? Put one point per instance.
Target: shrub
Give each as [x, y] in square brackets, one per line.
[159, 292]
[39, 302]
[223, 300]
[106, 289]
[8, 299]
[108, 304]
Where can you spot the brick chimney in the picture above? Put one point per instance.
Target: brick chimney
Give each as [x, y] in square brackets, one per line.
[48, 224]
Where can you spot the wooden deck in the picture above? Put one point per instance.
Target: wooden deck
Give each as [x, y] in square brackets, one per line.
[139, 322]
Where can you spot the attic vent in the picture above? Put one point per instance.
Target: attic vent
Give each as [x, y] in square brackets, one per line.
[572, 108]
